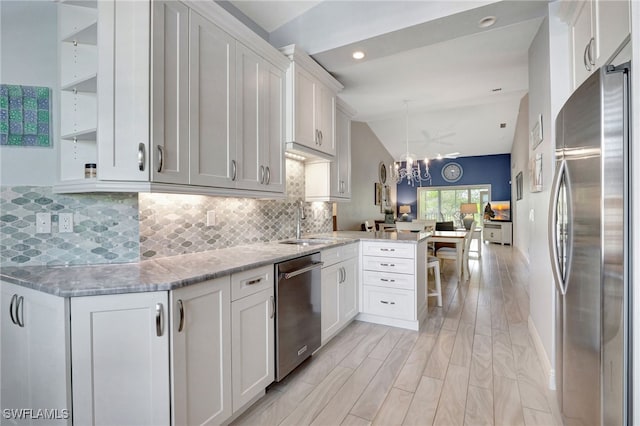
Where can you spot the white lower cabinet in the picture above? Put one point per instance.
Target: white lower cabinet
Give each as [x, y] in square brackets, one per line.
[201, 353]
[339, 295]
[34, 371]
[120, 359]
[252, 343]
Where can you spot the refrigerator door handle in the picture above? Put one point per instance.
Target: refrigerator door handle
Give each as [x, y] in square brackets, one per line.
[556, 188]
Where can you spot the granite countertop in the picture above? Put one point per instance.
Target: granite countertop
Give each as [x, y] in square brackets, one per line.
[178, 271]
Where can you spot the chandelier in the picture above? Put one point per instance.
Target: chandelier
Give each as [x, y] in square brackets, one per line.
[411, 170]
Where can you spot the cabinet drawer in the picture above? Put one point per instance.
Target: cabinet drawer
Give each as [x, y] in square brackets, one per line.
[334, 255]
[492, 234]
[384, 264]
[385, 279]
[249, 282]
[388, 249]
[390, 303]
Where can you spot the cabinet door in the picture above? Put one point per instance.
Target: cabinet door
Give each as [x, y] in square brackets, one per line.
[201, 353]
[325, 118]
[34, 369]
[581, 33]
[612, 26]
[304, 110]
[170, 92]
[212, 70]
[330, 300]
[249, 71]
[123, 90]
[120, 358]
[349, 291]
[272, 128]
[252, 344]
[341, 166]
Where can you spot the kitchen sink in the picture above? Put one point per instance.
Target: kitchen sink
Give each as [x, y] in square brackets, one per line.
[308, 241]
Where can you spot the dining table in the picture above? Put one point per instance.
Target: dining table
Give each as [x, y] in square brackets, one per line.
[456, 237]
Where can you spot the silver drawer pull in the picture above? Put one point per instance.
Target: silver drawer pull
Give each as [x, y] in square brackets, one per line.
[387, 249]
[256, 281]
[388, 264]
[387, 303]
[13, 301]
[387, 280]
[181, 308]
[20, 307]
[160, 159]
[159, 319]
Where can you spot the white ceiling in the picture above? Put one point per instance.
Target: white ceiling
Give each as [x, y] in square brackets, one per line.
[431, 53]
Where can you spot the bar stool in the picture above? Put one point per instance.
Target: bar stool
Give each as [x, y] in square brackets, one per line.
[434, 262]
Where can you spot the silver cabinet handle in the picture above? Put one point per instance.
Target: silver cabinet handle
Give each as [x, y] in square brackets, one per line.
[234, 170]
[20, 307]
[321, 137]
[273, 307]
[160, 158]
[590, 52]
[181, 309]
[13, 301]
[159, 319]
[268, 175]
[256, 281]
[317, 137]
[387, 302]
[388, 264]
[141, 155]
[261, 175]
[385, 280]
[584, 57]
[387, 249]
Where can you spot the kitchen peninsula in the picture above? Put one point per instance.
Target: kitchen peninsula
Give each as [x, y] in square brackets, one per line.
[160, 312]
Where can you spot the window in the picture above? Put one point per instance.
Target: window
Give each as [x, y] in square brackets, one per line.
[443, 203]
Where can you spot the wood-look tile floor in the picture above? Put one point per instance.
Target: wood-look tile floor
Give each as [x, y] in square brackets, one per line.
[472, 363]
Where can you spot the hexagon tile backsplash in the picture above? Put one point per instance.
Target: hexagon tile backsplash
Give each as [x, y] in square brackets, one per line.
[177, 224]
[105, 228]
[120, 228]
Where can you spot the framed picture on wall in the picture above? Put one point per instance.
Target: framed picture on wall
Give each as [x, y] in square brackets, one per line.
[519, 186]
[536, 173]
[378, 194]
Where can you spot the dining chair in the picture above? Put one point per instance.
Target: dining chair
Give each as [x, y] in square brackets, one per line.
[387, 227]
[434, 262]
[450, 253]
[410, 226]
[367, 226]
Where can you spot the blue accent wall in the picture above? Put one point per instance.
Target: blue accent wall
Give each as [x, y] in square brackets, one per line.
[494, 170]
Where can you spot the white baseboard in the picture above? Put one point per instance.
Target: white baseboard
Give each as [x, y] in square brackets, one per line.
[542, 354]
[376, 319]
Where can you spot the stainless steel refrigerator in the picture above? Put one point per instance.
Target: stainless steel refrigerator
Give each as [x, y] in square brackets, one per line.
[588, 235]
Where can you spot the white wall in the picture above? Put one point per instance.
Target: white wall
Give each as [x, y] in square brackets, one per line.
[28, 41]
[520, 163]
[366, 153]
[549, 87]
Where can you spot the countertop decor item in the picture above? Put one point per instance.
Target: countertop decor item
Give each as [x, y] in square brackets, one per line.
[467, 210]
[404, 211]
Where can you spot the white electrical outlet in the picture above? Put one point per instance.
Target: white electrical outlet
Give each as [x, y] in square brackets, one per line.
[43, 223]
[211, 218]
[65, 222]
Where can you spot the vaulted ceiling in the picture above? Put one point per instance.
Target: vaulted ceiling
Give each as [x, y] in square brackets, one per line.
[461, 81]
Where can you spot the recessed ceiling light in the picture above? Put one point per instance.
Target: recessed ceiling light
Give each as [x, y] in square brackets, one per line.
[358, 54]
[487, 21]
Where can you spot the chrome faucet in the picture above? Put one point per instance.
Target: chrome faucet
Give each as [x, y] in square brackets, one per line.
[300, 216]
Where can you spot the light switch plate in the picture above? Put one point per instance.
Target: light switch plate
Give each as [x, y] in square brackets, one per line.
[43, 223]
[211, 218]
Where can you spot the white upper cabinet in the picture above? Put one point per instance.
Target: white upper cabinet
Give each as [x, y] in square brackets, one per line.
[212, 139]
[597, 30]
[170, 93]
[331, 181]
[169, 96]
[311, 104]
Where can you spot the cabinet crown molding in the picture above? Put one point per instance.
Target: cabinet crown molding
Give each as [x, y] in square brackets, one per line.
[345, 107]
[297, 55]
[569, 9]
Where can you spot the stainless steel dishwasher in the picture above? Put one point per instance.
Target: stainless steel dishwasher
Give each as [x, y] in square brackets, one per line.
[297, 312]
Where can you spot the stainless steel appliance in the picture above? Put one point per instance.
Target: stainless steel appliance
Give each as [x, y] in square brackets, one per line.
[298, 325]
[589, 231]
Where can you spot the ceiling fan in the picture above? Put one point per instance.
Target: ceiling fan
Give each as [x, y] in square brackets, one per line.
[437, 140]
